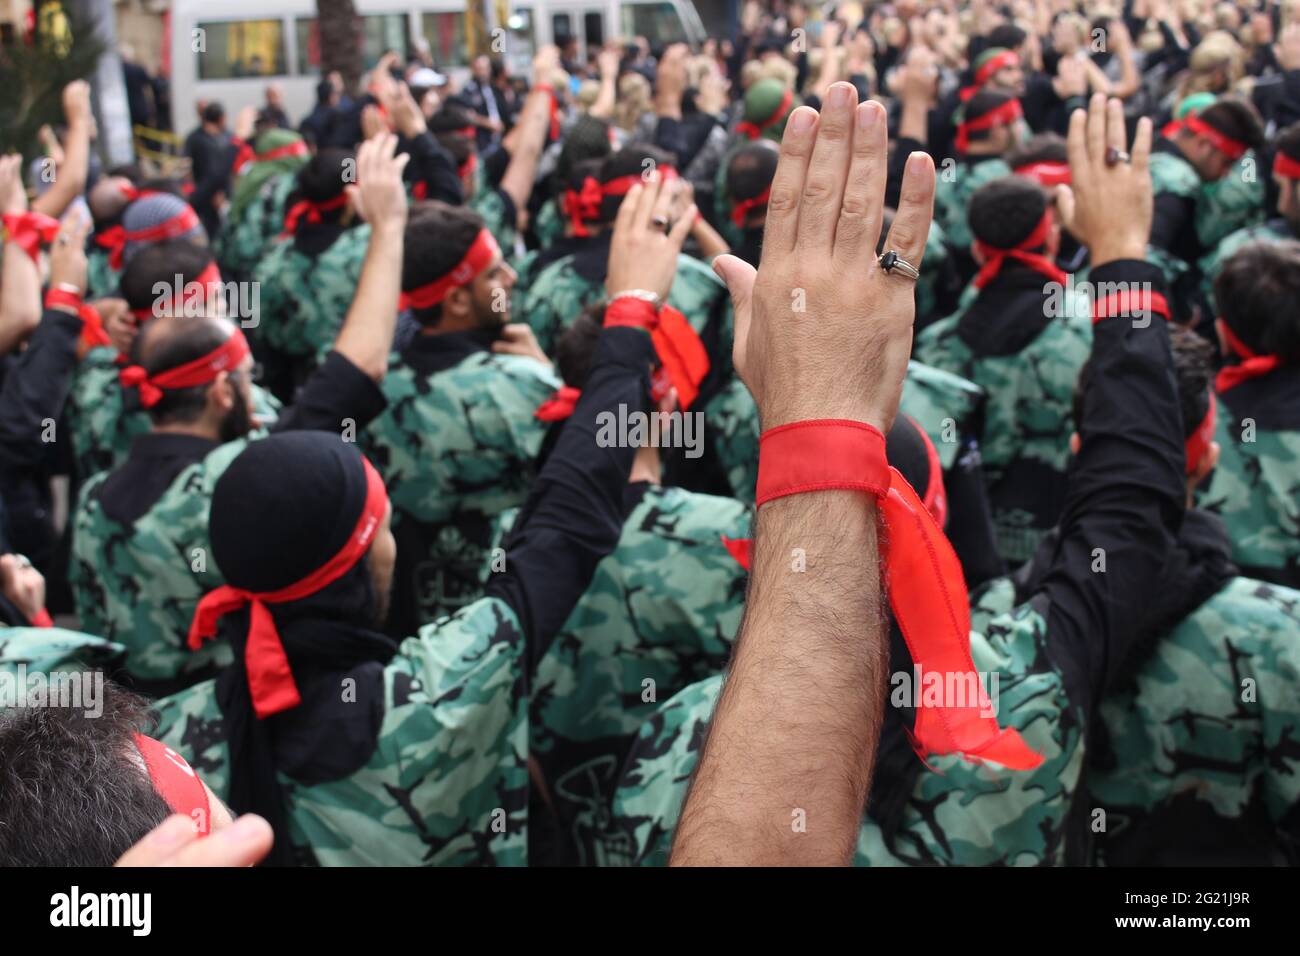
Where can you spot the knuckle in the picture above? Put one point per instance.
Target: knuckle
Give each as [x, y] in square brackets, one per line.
[818, 188]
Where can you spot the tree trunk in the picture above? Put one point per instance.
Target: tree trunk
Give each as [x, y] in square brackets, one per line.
[340, 41]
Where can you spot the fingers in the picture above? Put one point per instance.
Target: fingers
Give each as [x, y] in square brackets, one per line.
[1116, 134]
[911, 226]
[739, 276]
[1077, 147]
[1096, 134]
[627, 210]
[682, 227]
[1065, 206]
[781, 230]
[823, 187]
[662, 209]
[858, 228]
[1141, 151]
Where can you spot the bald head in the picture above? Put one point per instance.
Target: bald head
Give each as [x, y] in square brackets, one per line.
[109, 198]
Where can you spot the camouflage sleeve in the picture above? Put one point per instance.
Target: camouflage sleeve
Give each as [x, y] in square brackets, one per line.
[732, 418]
[1231, 203]
[102, 427]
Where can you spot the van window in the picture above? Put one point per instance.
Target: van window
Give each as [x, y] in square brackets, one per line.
[236, 48]
[379, 34]
[446, 35]
[593, 24]
[561, 28]
[659, 23]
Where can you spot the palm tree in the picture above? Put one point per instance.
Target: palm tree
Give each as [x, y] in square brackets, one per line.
[340, 46]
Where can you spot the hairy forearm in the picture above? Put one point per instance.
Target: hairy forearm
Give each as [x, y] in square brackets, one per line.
[783, 776]
[530, 131]
[70, 179]
[367, 334]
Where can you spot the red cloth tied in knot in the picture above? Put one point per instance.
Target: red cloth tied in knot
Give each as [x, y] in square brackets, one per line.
[927, 589]
[29, 231]
[560, 405]
[201, 371]
[743, 206]
[583, 205]
[270, 679]
[1251, 365]
[684, 359]
[483, 251]
[994, 258]
[1008, 112]
[310, 211]
[755, 130]
[93, 333]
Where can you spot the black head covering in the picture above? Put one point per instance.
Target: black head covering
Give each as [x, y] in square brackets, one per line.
[284, 508]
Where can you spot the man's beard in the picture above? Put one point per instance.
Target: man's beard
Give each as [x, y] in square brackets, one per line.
[237, 423]
[491, 320]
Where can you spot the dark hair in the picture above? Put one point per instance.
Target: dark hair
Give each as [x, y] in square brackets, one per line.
[172, 341]
[587, 138]
[437, 238]
[324, 92]
[751, 170]
[161, 262]
[1193, 371]
[460, 147]
[1006, 35]
[1258, 295]
[985, 101]
[1040, 148]
[1235, 118]
[576, 347]
[72, 793]
[1003, 213]
[629, 161]
[322, 178]
[451, 118]
[214, 113]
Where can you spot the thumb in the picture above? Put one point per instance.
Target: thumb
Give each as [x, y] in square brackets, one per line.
[739, 276]
[1065, 206]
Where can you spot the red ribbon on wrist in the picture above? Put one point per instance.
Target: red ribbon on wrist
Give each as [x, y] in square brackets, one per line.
[678, 346]
[927, 589]
[62, 298]
[29, 231]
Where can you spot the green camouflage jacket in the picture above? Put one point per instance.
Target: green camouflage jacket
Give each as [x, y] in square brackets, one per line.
[548, 225]
[952, 191]
[455, 448]
[1275, 230]
[498, 215]
[558, 294]
[139, 586]
[42, 649]
[1172, 174]
[447, 784]
[963, 813]
[104, 421]
[1234, 202]
[660, 613]
[101, 278]
[304, 299]
[1027, 410]
[243, 241]
[1255, 489]
[1212, 717]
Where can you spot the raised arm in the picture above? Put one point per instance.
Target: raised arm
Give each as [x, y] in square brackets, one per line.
[528, 138]
[796, 727]
[20, 279]
[70, 178]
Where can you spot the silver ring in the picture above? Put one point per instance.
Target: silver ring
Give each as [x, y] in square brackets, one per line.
[23, 560]
[1116, 156]
[891, 260]
[661, 222]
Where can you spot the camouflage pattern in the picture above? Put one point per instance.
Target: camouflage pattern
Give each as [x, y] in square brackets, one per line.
[101, 278]
[304, 300]
[42, 649]
[1212, 714]
[952, 191]
[139, 586]
[1234, 202]
[558, 295]
[494, 209]
[447, 784]
[1275, 230]
[104, 420]
[455, 449]
[942, 403]
[960, 814]
[1172, 174]
[935, 257]
[1027, 411]
[243, 240]
[548, 225]
[1255, 489]
[660, 613]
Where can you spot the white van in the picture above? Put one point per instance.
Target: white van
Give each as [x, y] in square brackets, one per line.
[229, 51]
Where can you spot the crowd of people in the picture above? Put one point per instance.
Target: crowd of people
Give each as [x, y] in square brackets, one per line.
[872, 438]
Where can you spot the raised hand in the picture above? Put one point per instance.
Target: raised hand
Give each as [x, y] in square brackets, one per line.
[379, 196]
[642, 254]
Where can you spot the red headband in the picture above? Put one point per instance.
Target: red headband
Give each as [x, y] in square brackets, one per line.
[29, 231]
[681, 353]
[311, 211]
[561, 404]
[245, 154]
[176, 782]
[270, 679]
[201, 371]
[1252, 364]
[926, 587]
[1199, 440]
[1047, 173]
[116, 238]
[1284, 165]
[1229, 147]
[204, 281]
[1008, 112]
[755, 130]
[994, 258]
[743, 206]
[483, 251]
[985, 72]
